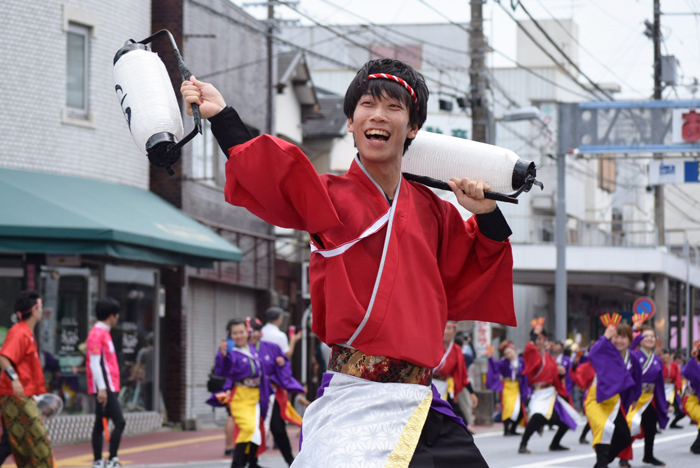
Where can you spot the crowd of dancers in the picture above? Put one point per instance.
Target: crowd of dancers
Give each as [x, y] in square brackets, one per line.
[627, 387]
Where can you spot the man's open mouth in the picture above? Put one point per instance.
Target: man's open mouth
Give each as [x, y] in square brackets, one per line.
[377, 135]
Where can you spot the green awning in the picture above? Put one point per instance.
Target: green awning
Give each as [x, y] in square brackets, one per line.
[49, 213]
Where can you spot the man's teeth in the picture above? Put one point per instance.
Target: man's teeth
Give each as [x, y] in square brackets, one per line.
[377, 133]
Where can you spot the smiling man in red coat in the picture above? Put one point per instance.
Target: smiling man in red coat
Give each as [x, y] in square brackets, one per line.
[391, 263]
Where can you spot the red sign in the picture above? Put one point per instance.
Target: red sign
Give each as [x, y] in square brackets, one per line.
[691, 127]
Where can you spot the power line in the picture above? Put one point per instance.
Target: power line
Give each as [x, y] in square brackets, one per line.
[375, 25]
[353, 42]
[551, 57]
[460, 51]
[566, 31]
[542, 77]
[234, 68]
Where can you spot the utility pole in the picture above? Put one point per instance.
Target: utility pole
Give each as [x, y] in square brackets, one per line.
[659, 198]
[477, 92]
[270, 67]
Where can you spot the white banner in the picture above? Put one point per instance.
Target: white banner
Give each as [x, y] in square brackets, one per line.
[482, 337]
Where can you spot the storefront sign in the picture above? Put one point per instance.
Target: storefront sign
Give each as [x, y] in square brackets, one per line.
[68, 339]
[482, 338]
[130, 338]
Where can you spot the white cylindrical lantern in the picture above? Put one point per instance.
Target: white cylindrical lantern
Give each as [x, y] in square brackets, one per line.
[147, 99]
[442, 157]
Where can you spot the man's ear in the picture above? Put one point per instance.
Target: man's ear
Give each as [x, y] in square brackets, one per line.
[351, 126]
[413, 131]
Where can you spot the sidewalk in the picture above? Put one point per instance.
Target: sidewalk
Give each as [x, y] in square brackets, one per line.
[195, 448]
[163, 448]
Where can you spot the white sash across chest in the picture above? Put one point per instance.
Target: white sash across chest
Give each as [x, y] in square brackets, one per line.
[386, 219]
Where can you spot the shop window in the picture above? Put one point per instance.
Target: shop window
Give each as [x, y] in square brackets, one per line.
[134, 335]
[69, 296]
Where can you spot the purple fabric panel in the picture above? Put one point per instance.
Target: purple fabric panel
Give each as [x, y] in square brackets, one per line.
[655, 375]
[656, 369]
[444, 407]
[220, 364]
[325, 382]
[691, 371]
[280, 376]
[660, 393]
[563, 415]
[493, 375]
[610, 368]
[636, 341]
[525, 390]
[213, 401]
[632, 394]
[566, 362]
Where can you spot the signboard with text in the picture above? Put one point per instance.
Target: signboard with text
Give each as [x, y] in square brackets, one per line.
[482, 338]
[674, 171]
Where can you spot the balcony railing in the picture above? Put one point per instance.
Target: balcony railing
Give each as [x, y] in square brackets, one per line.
[541, 230]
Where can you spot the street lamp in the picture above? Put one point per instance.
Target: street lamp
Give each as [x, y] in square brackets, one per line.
[522, 113]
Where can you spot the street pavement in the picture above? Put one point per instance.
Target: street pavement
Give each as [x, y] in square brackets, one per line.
[176, 449]
[672, 447]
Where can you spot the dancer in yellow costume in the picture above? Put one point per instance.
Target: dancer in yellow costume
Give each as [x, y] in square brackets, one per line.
[617, 385]
[691, 406]
[246, 393]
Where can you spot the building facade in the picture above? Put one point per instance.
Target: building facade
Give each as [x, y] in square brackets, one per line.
[78, 221]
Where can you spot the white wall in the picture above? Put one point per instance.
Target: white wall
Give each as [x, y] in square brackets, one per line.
[33, 62]
[288, 115]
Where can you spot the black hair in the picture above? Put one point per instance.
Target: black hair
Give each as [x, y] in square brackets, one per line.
[459, 341]
[255, 324]
[361, 86]
[232, 323]
[106, 307]
[25, 303]
[665, 351]
[273, 313]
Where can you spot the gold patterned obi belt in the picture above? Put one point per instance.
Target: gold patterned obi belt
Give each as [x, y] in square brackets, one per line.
[540, 385]
[250, 382]
[648, 387]
[381, 369]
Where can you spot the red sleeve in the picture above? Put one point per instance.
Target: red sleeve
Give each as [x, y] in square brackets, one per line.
[275, 181]
[533, 360]
[461, 376]
[583, 375]
[677, 380]
[477, 271]
[14, 347]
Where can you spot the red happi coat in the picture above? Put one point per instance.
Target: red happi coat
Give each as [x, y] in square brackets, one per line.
[437, 266]
[542, 369]
[672, 374]
[453, 365]
[583, 375]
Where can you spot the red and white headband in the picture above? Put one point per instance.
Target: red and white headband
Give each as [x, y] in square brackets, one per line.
[385, 76]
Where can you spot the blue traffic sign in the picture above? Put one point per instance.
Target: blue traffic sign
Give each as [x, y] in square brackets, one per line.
[644, 305]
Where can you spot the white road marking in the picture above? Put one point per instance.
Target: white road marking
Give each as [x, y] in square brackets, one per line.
[639, 444]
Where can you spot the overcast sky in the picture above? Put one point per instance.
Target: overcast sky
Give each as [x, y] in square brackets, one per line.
[610, 31]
